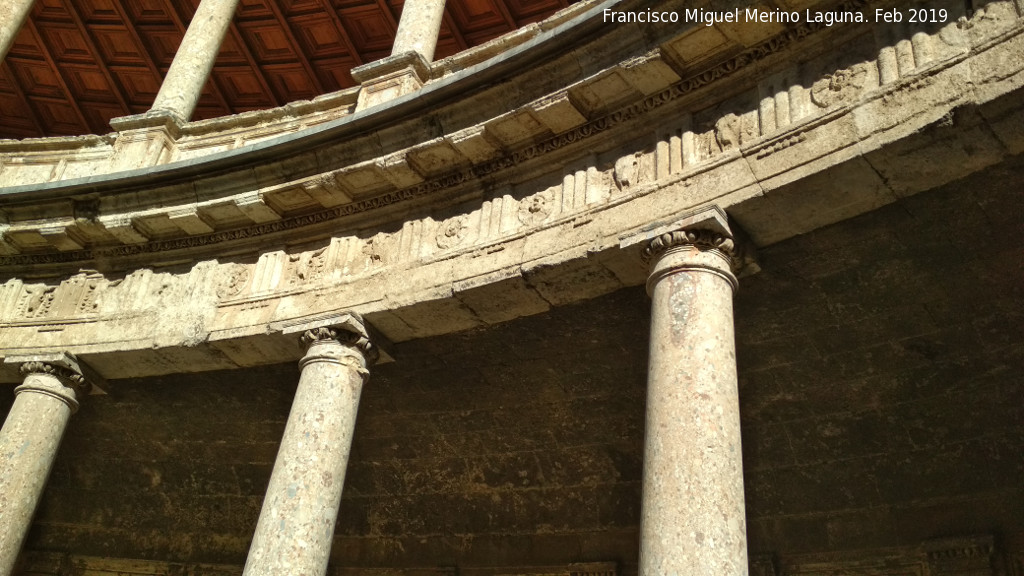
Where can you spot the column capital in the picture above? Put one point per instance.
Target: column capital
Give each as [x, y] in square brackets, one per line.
[699, 238]
[698, 242]
[348, 329]
[66, 381]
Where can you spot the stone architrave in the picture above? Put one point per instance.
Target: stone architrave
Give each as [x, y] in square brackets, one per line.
[194, 59]
[692, 519]
[296, 524]
[13, 14]
[29, 440]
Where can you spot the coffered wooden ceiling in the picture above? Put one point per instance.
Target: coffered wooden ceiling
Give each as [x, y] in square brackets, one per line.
[78, 63]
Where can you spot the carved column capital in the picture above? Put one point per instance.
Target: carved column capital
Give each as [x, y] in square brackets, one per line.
[348, 330]
[67, 376]
[57, 374]
[344, 337]
[699, 238]
[690, 250]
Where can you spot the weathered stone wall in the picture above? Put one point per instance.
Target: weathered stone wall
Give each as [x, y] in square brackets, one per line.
[879, 366]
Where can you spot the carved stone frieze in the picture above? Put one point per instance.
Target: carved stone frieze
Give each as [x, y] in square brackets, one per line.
[840, 87]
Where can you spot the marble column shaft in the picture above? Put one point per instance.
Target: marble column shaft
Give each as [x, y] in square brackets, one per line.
[13, 14]
[29, 440]
[296, 525]
[419, 27]
[692, 521]
[194, 59]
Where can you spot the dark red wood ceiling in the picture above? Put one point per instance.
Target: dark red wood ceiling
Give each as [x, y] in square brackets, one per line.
[78, 63]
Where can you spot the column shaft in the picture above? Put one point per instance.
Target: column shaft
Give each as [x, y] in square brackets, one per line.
[296, 525]
[13, 14]
[28, 446]
[693, 520]
[194, 59]
[419, 28]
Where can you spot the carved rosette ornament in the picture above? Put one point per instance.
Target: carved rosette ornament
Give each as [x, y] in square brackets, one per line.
[535, 209]
[452, 232]
[67, 377]
[840, 87]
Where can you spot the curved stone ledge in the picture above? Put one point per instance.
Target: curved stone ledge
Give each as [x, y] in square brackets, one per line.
[263, 199]
[545, 230]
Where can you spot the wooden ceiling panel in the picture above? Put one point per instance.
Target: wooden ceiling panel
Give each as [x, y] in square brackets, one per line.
[50, 10]
[60, 118]
[147, 11]
[231, 54]
[242, 88]
[65, 42]
[211, 105]
[26, 45]
[16, 118]
[139, 85]
[78, 63]
[87, 83]
[98, 115]
[318, 36]
[446, 46]
[97, 11]
[290, 82]
[161, 42]
[526, 11]
[369, 30]
[343, 4]
[474, 16]
[253, 9]
[117, 46]
[268, 42]
[296, 7]
[334, 73]
[37, 79]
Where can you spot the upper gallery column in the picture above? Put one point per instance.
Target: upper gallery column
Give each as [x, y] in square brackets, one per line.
[43, 404]
[419, 27]
[693, 519]
[194, 59]
[296, 525]
[13, 14]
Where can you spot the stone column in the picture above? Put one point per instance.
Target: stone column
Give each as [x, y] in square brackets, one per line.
[13, 14]
[194, 59]
[692, 520]
[43, 404]
[296, 525]
[419, 27]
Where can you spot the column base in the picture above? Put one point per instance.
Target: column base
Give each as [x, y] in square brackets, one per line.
[390, 78]
[145, 139]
